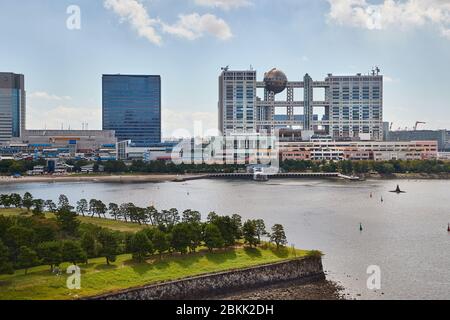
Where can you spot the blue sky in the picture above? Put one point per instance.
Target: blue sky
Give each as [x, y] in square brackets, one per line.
[187, 41]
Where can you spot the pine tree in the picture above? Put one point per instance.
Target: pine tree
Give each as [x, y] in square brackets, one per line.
[278, 235]
[27, 258]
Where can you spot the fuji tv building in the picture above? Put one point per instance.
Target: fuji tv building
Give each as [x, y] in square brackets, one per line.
[351, 109]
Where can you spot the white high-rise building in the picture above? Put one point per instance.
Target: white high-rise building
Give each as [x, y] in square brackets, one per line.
[355, 106]
[352, 106]
[237, 101]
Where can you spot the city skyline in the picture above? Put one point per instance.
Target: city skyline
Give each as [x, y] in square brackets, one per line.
[247, 151]
[63, 71]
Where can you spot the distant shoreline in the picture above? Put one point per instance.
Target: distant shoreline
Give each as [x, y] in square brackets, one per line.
[102, 178]
[409, 176]
[156, 178]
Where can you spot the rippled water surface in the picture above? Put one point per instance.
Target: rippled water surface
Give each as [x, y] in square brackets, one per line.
[406, 235]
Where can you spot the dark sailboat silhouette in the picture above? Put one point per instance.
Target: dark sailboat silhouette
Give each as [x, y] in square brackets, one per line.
[397, 190]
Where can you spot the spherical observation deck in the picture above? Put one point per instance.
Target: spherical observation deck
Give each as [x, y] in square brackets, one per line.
[275, 81]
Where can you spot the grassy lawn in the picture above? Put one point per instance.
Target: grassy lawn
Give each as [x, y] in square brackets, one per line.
[12, 212]
[113, 224]
[98, 278]
[105, 223]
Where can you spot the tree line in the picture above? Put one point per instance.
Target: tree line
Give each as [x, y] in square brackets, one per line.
[32, 240]
[363, 167]
[9, 167]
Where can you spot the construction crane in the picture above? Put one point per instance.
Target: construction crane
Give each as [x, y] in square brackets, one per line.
[417, 123]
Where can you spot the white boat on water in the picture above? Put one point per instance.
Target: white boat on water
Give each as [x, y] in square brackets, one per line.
[259, 176]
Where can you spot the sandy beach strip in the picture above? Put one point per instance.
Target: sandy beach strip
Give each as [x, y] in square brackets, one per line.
[102, 178]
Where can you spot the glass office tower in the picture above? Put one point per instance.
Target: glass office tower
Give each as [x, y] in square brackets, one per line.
[12, 106]
[132, 107]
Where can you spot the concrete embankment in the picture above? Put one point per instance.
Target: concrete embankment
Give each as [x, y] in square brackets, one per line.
[304, 269]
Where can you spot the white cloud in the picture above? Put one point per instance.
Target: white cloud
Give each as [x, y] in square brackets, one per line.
[194, 26]
[181, 124]
[224, 4]
[191, 26]
[446, 33]
[389, 79]
[175, 123]
[136, 14]
[52, 118]
[47, 96]
[392, 14]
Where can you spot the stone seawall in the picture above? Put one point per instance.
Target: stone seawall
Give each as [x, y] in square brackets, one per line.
[305, 269]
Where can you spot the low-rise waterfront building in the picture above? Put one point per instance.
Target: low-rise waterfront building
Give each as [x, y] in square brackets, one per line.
[262, 149]
[63, 144]
[441, 136]
[444, 156]
[91, 168]
[75, 141]
[37, 171]
[126, 150]
[359, 150]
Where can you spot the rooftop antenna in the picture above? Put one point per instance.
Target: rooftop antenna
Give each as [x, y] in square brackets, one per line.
[377, 70]
[251, 68]
[225, 68]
